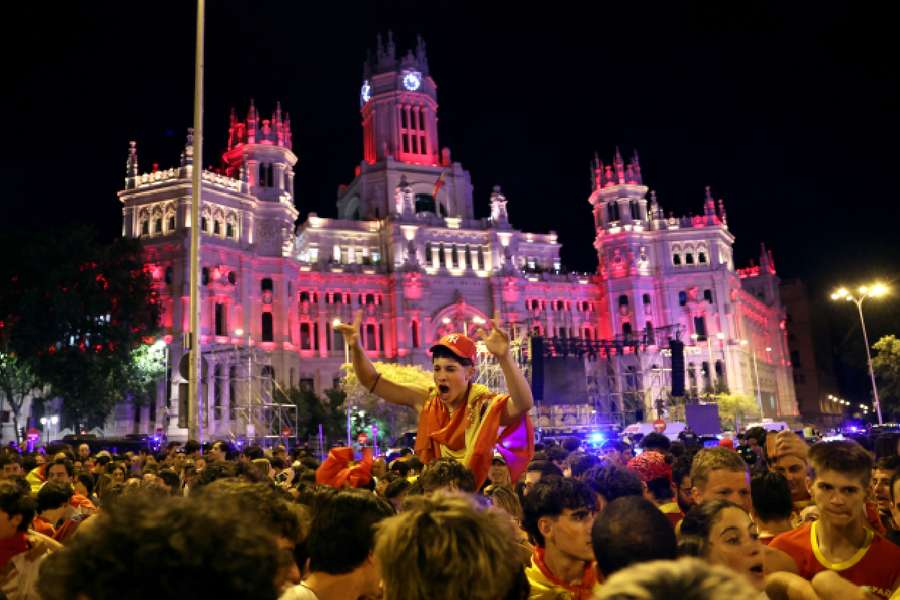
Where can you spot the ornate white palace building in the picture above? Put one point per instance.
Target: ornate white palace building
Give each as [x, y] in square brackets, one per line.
[405, 246]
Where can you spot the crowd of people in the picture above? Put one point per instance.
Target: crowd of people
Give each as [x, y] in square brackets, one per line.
[476, 510]
[653, 520]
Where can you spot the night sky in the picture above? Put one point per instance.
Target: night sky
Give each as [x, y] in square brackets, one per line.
[789, 110]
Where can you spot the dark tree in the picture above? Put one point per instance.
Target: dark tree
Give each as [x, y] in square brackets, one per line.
[73, 313]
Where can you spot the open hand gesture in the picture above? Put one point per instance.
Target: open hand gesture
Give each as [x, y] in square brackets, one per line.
[350, 332]
[497, 341]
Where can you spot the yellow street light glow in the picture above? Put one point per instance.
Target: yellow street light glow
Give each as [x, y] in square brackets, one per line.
[863, 289]
[446, 320]
[336, 322]
[879, 289]
[239, 332]
[768, 349]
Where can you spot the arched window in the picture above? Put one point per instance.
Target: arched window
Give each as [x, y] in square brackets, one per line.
[623, 301]
[688, 258]
[612, 211]
[205, 221]
[676, 259]
[414, 333]
[682, 298]
[649, 333]
[170, 220]
[231, 227]
[145, 223]
[265, 285]
[720, 370]
[708, 296]
[157, 222]
[701, 256]
[646, 299]
[305, 336]
[626, 329]
[217, 392]
[704, 371]
[370, 336]
[232, 391]
[268, 334]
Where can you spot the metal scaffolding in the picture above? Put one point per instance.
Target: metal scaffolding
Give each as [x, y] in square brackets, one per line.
[253, 412]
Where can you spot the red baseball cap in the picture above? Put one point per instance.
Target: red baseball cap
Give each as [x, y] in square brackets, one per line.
[460, 345]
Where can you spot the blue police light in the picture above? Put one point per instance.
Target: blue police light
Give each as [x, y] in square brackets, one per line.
[597, 438]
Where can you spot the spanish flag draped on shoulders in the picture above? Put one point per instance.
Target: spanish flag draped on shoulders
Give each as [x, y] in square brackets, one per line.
[546, 586]
[457, 418]
[472, 433]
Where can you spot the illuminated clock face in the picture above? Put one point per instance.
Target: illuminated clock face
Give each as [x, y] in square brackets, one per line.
[412, 81]
[365, 92]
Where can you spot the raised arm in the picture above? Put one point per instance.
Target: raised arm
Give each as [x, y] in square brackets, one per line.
[521, 400]
[367, 375]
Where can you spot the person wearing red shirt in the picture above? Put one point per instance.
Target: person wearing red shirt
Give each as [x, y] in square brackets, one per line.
[841, 540]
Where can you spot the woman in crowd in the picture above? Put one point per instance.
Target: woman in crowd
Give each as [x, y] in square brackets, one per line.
[722, 533]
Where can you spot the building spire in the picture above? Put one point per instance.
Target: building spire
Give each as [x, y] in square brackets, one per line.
[722, 214]
[636, 166]
[421, 55]
[709, 207]
[288, 135]
[619, 165]
[252, 123]
[131, 167]
[766, 260]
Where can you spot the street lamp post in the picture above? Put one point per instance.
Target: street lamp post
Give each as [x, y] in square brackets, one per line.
[756, 377]
[875, 291]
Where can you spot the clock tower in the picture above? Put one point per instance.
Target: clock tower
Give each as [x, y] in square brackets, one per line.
[398, 103]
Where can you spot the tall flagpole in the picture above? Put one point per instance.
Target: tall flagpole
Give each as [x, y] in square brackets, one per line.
[195, 386]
